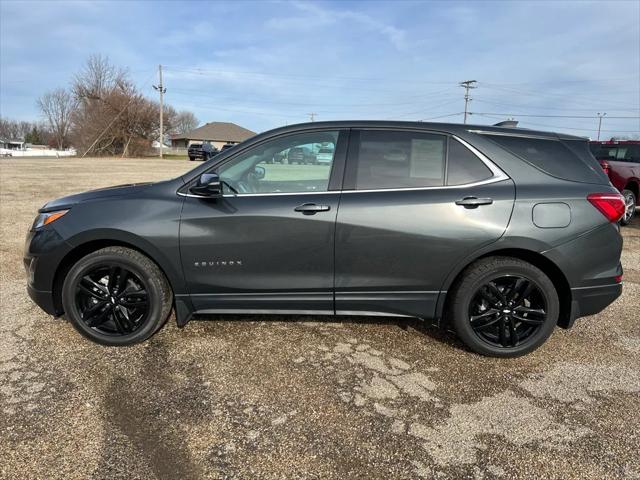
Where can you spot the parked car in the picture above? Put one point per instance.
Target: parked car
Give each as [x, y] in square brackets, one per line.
[621, 162]
[496, 233]
[201, 151]
[301, 156]
[227, 146]
[324, 156]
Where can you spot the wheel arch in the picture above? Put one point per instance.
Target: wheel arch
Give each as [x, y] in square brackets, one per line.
[550, 269]
[86, 246]
[634, 185]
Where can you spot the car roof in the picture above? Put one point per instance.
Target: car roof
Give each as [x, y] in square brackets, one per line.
[443, 127]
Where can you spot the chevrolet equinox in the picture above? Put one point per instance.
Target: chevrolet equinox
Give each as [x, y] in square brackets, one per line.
[497, 233]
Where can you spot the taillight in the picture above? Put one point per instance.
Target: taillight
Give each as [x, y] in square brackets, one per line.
[617, 279]
[611, 205]
[605, 166]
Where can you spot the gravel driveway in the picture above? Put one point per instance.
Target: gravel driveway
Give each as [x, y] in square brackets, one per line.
[272, 397]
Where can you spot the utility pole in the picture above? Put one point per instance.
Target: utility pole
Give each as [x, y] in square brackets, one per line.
[600, 116]
[312, 116]
[468, 85]
[162, 91]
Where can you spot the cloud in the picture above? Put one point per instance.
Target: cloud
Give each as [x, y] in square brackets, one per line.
[315, 16]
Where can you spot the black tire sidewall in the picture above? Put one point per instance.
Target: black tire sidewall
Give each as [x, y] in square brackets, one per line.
[153, 286]
[470, 284]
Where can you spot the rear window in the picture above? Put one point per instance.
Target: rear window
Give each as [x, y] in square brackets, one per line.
[620, 153]
[464, 166]
[565, 159]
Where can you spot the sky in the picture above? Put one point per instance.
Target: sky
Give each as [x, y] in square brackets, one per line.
[266, 64]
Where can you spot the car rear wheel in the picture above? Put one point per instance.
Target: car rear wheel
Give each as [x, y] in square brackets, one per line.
[504, 307]
[630, 203]
[116, 296]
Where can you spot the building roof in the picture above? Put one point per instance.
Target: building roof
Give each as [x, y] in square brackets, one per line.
[217, 131]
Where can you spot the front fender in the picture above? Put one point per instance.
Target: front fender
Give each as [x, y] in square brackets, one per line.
[166, 256]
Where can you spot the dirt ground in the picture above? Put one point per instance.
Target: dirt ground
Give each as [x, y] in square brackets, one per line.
[258, 397]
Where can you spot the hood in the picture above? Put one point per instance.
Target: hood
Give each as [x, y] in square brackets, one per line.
[117, 191]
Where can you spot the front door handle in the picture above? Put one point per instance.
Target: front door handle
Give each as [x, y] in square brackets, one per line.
[474, 202]
[312, 208]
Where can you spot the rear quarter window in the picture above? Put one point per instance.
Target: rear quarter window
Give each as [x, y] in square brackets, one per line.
[566, 159]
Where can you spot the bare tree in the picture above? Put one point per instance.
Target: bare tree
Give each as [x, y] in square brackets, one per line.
[14, 129]
[97, 78]
[184, 122]
[58, 107]
[113, 117]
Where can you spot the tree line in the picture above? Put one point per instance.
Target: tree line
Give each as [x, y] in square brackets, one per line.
[101, 113]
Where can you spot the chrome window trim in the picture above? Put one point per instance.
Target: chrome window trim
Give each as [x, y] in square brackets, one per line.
[515, 134]
[498, 176]
[275, 194]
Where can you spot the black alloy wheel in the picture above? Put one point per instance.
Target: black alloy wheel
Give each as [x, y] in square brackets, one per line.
[629, 207]
[112, 300]
[503, 306]
[507, 311]
[116, 296]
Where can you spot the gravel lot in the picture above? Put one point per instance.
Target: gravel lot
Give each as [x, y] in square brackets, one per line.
[259, 397]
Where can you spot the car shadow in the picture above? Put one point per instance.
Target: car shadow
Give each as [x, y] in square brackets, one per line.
[424, 327]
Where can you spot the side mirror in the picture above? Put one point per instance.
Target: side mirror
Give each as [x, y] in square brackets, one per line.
[259, 172]
[208, 185]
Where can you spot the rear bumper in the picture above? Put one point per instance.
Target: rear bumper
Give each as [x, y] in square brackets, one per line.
[591, 300]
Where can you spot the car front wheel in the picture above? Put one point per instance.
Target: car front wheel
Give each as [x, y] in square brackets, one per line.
[630, 203]
[504, 307]
[116, 296]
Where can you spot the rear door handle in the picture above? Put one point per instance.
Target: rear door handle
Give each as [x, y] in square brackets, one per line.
[312, 208]
[474, 202]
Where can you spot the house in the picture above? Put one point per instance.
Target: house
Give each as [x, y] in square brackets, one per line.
[215, 133]
[11, 144]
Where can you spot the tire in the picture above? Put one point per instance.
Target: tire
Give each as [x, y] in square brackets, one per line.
[143, 285]
[469, 301]
[630, 201]
[191, 159]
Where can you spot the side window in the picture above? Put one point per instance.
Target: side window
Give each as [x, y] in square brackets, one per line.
[464, 166]
[292, 164]
[629, 153]
[400, 160]
[566, 159]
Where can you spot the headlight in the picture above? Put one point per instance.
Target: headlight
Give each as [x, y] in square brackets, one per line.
[46, 218]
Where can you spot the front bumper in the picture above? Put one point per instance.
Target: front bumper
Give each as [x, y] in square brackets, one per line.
[44, 250]
[44, 299]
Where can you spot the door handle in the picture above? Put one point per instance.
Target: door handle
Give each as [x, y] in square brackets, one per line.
[312, 208]
[474, 202]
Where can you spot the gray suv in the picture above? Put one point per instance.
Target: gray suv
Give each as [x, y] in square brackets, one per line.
[499, 234]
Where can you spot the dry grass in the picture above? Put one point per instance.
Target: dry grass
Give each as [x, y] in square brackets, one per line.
[250, 398]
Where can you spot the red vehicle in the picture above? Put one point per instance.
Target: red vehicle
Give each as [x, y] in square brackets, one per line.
[620, 159]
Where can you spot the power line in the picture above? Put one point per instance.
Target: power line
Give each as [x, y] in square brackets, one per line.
[548, 116]
[195, 93]
[467, 85]
[571, 98]
[537, 107]
[559, 127]
[206, 71]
